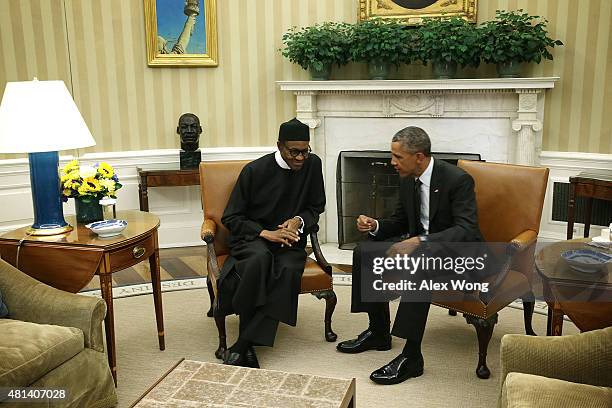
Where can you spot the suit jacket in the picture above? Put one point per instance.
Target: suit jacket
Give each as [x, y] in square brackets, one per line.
[452, 208]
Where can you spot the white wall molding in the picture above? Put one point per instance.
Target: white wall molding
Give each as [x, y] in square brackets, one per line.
[576, 161]
[564, 165]
[179, 208]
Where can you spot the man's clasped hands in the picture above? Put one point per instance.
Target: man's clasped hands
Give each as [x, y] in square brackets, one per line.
[286, 234]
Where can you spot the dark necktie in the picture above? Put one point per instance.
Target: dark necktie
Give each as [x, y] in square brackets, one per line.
[417, 206]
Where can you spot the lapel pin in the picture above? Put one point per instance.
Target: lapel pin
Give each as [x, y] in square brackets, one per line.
[436, 190]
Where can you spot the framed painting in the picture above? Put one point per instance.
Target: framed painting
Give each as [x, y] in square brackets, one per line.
[181, 32]
[413, 11]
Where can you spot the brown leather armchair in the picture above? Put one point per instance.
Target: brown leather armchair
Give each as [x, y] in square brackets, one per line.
[217, 180]
[509, 200]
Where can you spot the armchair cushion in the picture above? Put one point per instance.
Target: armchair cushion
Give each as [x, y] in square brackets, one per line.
[512, 286]
[583, 358]
[3, 309]
[527, 390]
[28, 351]
[314, 279]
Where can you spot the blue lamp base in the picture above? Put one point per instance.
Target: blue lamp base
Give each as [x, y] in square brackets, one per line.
[46, 199]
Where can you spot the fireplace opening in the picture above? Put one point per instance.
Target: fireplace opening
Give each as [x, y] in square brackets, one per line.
[366, 183]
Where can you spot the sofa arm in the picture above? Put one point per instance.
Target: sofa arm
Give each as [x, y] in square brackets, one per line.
[582, 358]
[30, 300]
[526, 390]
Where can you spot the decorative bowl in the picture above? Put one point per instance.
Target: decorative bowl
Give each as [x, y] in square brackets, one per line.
[586, 260]
[107, 228]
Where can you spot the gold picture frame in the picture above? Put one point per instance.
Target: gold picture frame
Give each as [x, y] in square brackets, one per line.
[181, 36]
[412, 12]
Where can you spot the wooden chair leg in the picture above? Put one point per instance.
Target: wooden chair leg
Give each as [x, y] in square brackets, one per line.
[330, 306]
[220, 322]
[528, 306]
[484, 331]
[452, 312]
[211, 295]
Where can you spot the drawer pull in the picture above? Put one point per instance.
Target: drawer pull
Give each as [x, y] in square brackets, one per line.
[138, 252]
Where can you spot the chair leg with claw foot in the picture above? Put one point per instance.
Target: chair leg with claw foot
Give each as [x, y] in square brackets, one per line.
[330, 306]
[484, 331]
[220, 322]
[528, 306]
[211, 295]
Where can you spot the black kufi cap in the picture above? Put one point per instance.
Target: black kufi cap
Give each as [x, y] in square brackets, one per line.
[293, 130]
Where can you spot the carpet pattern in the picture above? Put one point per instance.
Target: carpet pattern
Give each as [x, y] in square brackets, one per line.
[175, 263]
[450, 349]
[185, 268]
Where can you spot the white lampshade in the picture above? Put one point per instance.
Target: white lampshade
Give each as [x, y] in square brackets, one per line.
[40, 116]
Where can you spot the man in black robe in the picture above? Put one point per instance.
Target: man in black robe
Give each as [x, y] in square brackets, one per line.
[277, 199]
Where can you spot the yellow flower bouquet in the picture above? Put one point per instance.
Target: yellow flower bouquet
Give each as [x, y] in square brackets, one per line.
[93, 182]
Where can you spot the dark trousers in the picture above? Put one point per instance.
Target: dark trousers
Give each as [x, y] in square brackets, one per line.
[409, 321]
[261, 282]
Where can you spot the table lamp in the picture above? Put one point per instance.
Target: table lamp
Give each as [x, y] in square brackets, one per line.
[40, 118]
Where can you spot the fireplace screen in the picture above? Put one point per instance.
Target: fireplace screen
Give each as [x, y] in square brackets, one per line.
[366, 183]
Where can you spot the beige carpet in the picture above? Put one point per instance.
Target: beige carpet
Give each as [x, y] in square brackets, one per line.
[450, 350]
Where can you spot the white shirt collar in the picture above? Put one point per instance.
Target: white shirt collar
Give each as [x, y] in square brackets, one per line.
[280, 161]
[426, 176]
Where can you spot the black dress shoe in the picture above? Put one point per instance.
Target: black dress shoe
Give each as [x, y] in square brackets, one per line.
[233, 358]
[365, 341]
[250, 358]
[398, 370]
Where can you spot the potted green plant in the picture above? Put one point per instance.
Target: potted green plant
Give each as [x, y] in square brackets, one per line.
[380, 43]
[515, 37]
[447, 43]
[317, 47]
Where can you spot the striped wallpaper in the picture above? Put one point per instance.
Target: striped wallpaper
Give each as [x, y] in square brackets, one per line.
[98, 48]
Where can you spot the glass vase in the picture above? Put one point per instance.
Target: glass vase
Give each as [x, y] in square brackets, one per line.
[88, 210]
[509, 69]
[320, 74]
[444, 69]
[378, 70]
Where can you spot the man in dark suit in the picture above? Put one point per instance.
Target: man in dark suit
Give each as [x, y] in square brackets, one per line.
[436, 204]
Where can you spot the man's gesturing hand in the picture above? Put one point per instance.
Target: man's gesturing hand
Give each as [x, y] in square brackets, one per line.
[282, 236]
[366, 224]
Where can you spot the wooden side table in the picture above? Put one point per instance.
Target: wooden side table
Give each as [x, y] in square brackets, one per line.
[69, 262]
[590, 186]
[169, 177]
[585, 298]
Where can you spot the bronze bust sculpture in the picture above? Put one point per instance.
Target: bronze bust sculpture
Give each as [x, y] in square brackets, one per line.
[189, 130]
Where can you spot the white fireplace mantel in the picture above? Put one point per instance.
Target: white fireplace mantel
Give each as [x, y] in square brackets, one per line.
[481, 84]
[502, 119]
[433, 98]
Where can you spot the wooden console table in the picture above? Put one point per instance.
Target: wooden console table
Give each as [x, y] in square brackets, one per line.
[591, 186]
[69, 262]
[168, 177]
